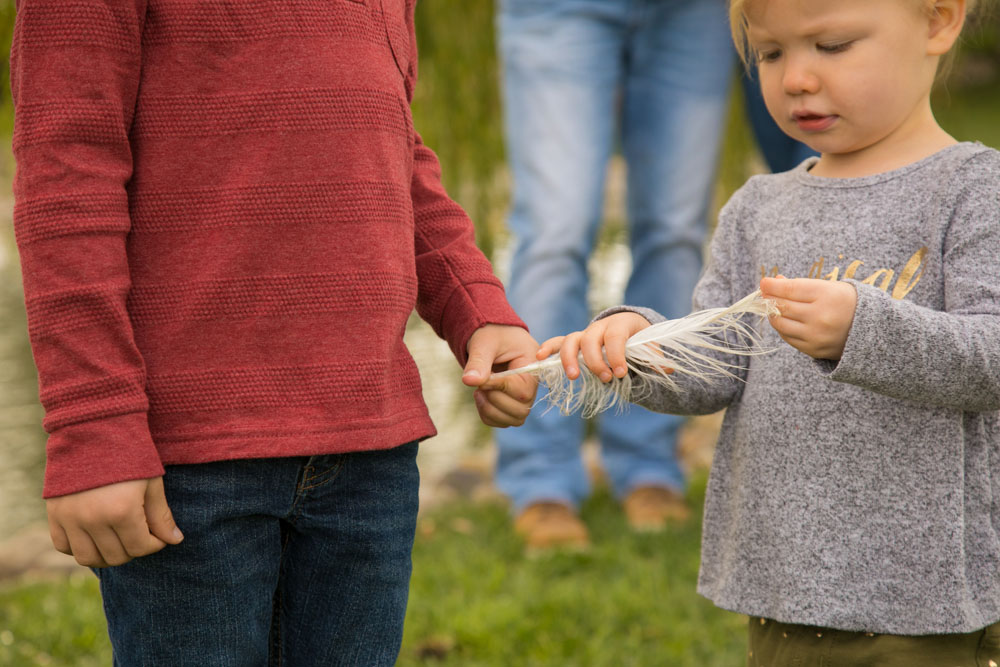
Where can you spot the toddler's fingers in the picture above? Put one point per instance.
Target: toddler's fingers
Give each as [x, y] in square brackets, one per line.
[593, 355]
[614, 347]
[789, 327]
[781, 287]
[790, 310]
[569, 352]
[549, 347]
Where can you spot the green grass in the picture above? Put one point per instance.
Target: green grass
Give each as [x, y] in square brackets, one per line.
[475, 600]
[55, 622]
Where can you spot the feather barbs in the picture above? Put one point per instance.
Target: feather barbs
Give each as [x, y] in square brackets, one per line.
[658, 355]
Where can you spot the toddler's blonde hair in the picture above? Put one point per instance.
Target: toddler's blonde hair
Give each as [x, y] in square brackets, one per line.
[739, 26]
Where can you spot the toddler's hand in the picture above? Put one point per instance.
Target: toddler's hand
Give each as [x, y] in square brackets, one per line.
[111, 525]
[816, 315]
[608, 334]
[504, 401]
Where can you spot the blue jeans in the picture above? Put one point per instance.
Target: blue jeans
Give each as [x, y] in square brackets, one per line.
[292, 561]
[575, 72]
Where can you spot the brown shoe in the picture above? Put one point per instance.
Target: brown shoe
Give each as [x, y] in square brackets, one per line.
[551, 526]
[650, 508]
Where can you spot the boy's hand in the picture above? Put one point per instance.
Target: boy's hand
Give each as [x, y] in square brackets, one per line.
[816, 315]
[113, 524]
[609, 333]
[505, 401]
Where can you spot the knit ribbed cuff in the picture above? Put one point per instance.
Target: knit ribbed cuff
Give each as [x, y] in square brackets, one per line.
[96, 453]
[471, 307]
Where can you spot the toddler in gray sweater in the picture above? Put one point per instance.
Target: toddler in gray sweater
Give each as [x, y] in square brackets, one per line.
[853, 506]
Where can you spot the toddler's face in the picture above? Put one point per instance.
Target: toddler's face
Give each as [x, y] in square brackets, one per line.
[846, 77]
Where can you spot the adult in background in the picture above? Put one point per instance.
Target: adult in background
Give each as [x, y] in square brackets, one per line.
[580, 75]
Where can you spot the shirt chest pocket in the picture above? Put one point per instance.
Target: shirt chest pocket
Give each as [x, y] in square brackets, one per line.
[398, 18]
[395, 17]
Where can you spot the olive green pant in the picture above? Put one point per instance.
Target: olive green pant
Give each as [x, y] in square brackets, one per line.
[773, 644]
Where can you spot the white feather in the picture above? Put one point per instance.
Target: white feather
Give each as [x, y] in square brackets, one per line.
[681, 345]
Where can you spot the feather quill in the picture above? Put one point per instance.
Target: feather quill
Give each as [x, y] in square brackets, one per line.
[683, 345]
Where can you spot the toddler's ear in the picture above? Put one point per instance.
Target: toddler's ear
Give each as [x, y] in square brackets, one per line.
[946, 20]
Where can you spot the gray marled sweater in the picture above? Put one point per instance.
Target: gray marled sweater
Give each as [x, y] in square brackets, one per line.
[863, 494]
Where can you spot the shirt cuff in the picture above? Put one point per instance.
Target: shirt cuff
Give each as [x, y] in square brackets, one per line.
[89, 454]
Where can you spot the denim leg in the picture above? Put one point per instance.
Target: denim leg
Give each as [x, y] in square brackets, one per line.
[293, 562]
[562, 64]
[680, 63]
[208, 600]
[346, 561]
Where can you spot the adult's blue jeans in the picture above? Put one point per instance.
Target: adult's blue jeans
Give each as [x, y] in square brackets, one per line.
[579, 75]
[292, 562]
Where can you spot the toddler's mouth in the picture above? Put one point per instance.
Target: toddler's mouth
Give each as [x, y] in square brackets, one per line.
[808, 121]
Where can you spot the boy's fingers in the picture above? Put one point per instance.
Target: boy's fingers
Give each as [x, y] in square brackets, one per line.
[135, 537]
[59, 539]
[507, 405]
[110, 545]
[521, 388]
[500, 384]
[159, 518]
[83, 549]
[479, 365]
[499, 410]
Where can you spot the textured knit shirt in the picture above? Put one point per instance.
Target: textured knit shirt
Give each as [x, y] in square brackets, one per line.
[863, 494]
[225, 218]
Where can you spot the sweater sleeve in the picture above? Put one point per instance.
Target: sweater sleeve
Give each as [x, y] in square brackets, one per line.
[457, 290]
[74, 78]
[950, 358]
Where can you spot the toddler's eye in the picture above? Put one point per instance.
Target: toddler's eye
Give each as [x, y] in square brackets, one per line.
[768, 56]
[836, 47]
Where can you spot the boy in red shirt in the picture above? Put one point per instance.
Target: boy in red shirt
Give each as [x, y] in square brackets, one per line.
[225, 218]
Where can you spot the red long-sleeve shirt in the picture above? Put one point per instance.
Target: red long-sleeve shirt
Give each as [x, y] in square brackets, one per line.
[225, 217]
